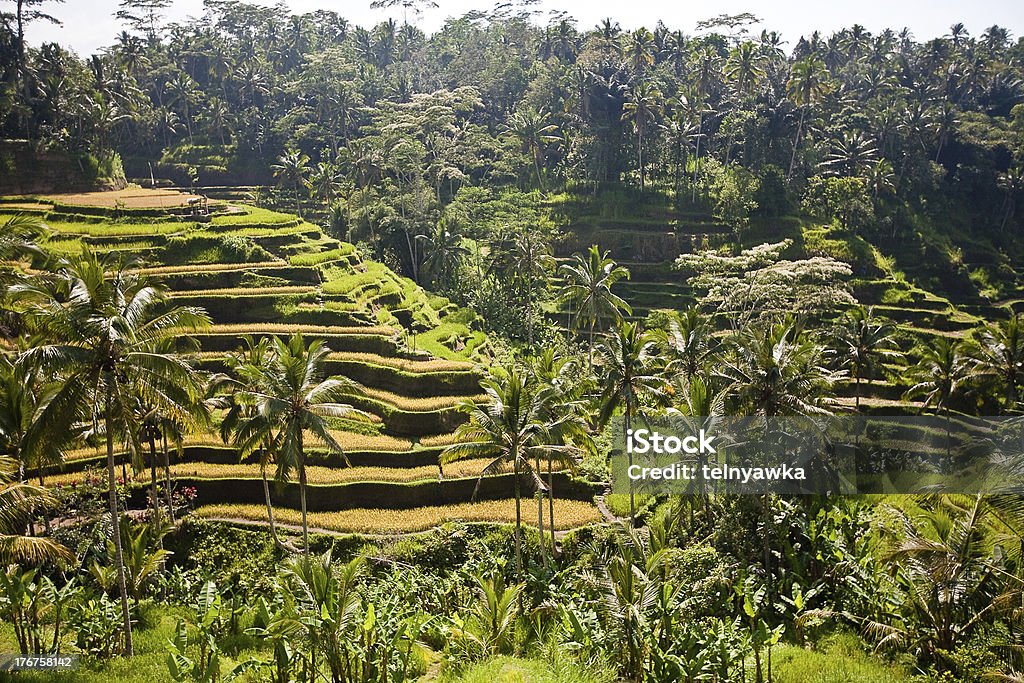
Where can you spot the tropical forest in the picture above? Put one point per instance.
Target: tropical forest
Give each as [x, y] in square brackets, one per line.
[319, 343]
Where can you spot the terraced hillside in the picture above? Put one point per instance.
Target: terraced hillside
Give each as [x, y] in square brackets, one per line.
[899, 280]
[258, 272]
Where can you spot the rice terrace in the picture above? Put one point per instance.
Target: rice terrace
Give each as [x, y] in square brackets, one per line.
[510, 347]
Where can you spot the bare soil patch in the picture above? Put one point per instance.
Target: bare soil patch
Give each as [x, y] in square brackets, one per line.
[131, 198]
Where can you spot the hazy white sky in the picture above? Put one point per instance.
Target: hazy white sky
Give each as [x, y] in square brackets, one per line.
[89, 24]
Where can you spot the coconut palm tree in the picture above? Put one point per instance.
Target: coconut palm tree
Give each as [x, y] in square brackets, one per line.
[808, 83]
[291, 170]
[324, 182]
[19, 239]
[862, 342]
[246, 367]
[565, 413]
[774, 370]
[950, 585]
[110, 339]
[628, 361]
[642, 109]
[686, 343]
[697, 406]
[940, 376]
[588, 290]
[511, 430]
[293, 401]
[999, 355]
[534, 131]
[22, 398]
[18, 501]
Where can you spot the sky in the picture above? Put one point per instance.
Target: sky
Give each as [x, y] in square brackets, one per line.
[89, 24]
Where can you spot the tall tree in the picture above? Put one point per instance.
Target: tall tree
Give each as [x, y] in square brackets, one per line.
[808, 83]
[110, 339]
[628, 361]
[510, 429]
[588, 291]
[293, 400]
[939, 377]
[535, 132]
[642, 109]
[863, 343]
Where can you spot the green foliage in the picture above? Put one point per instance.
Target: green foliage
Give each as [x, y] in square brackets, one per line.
[837, 659]
[513, 670]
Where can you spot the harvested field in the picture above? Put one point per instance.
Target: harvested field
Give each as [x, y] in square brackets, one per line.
[130, 198]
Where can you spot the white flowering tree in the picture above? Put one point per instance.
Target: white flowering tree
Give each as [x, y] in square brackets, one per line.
[759, 281]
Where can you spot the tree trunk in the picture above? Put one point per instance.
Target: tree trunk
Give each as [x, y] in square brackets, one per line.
[152, 483]
[696, 155]
[536, 167]
[796, 143]
[632, 496]
[167, 479]
[115, 529]
[640, 158]
[551, 506]
[519, 517]
[270, 507]
[540, 514]
[302, 497]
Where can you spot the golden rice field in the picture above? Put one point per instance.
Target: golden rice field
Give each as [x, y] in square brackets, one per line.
[404, 364]
[210, 268]
[285, 328]
[421, 404]
[569, 514]
[437, 440]
[315, 474]
[246, 291]
[350, 441]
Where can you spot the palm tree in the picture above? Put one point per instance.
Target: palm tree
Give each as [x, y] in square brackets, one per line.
[291, 401]
[774, 370]
[686, 343]
[940, 376]
[22, 398]
[699, 406]
[291, 169]
[638, 49]
[862, 343]
[109, 339]
[18, 501]
[509, 429]
[628, 359]
[325, 182]
[808, 83]
[246, 367]
[744, 66]
[534, 132]
[588, 290]
[642, 109]
[950, 583]
[446, 252]
[532, 264]
[851, 156]
[999, 354]
[19, 236]
[565, 412]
